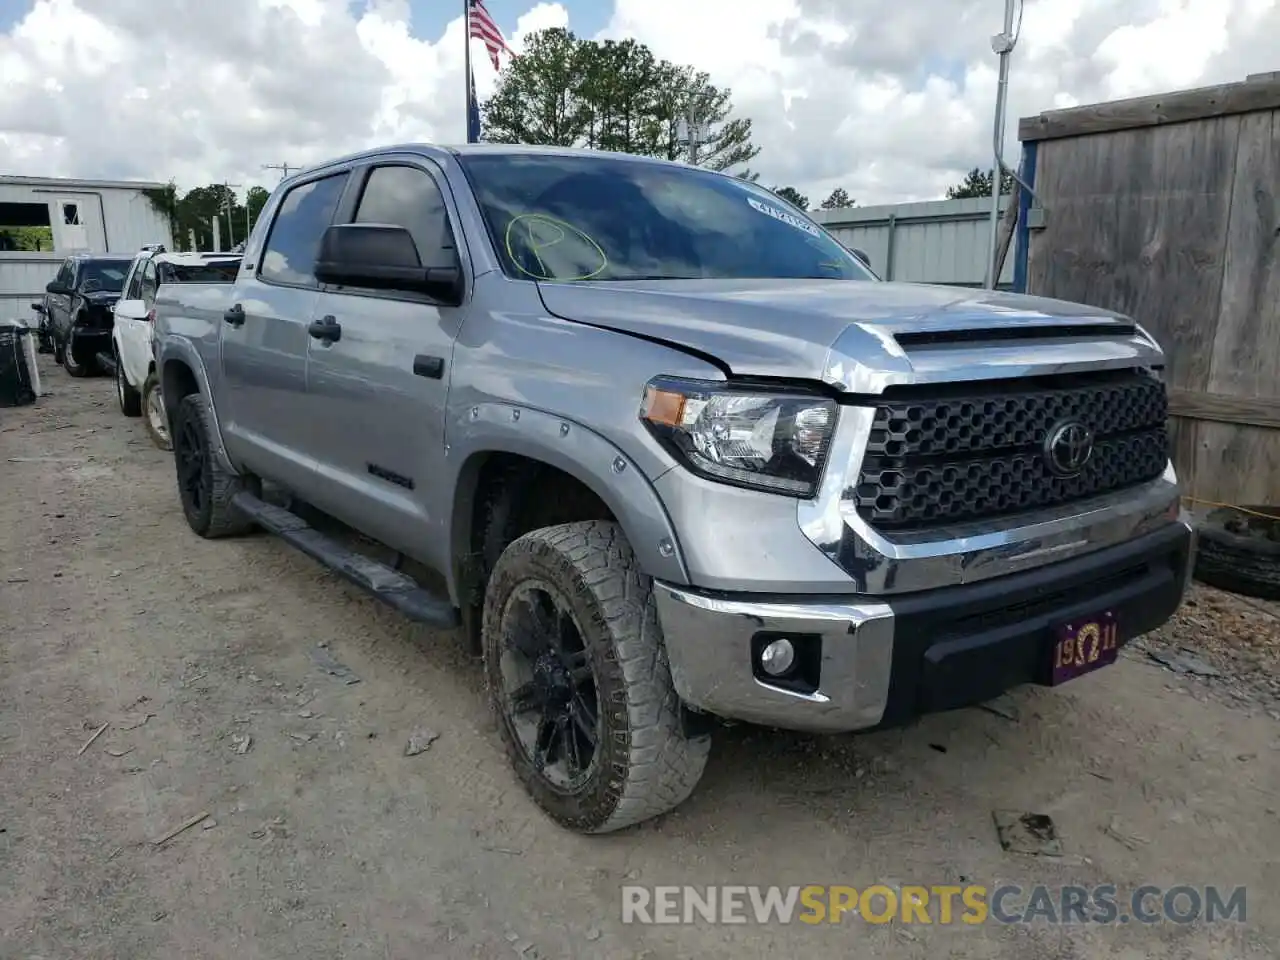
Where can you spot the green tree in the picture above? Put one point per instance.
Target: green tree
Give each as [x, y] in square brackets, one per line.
[793, 197]
[977, 183]
[539, 94]
[255, 199]
[838, 200]
[613, 95]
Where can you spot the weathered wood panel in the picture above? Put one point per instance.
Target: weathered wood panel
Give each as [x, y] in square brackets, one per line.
[1238, 463]
[1261, 92]
[1137, 222]
[1221, 408]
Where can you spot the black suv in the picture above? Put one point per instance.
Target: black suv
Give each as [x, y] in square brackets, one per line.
[75, 315]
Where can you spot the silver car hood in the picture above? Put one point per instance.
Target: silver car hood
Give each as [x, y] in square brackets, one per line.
[859, 336]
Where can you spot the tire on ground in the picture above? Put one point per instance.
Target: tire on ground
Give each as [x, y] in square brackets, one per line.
[1240, 552]
[645, 764]
[75, 362]
[152, 385]
[130, 399]
[214, 516]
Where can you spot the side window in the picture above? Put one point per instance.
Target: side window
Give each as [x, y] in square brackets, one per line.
[67, 273]
[134, 282]
[294, 241]
[147, 288]
[408, 197]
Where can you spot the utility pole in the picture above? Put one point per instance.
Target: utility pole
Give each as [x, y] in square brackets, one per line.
[284, 168]
[1002, 43]
[231, 239]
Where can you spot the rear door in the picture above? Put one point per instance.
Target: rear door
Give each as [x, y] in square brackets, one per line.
[264, 337]
[379, 391]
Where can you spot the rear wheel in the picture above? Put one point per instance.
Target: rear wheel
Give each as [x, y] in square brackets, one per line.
[205, 486]
[157, 419]
[578, 676]
[130, 399]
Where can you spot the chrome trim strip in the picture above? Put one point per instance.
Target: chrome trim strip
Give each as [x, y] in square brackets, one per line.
[865, 359]
[881, 563]
[709, 644]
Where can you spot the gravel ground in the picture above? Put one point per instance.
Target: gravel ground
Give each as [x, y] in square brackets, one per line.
[217, 669]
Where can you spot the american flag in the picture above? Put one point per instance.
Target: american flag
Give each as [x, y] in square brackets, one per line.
[483, 28]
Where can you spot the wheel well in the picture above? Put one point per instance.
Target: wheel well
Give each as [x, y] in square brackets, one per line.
[509, 496]
[177, 382]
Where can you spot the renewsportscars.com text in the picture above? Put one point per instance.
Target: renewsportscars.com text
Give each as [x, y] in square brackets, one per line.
[941, 904]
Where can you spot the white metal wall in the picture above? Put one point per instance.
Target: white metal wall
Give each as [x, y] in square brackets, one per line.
[117, 219]
[934, 241]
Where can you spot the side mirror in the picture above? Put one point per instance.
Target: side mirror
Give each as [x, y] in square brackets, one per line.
[53, 286]
[861, 255]
[38, 308]
[383, 256]
[131, 309]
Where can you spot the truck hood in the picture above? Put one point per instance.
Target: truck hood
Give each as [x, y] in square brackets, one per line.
[858, 336]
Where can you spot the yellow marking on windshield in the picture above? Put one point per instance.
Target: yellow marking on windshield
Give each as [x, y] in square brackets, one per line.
[534, 223]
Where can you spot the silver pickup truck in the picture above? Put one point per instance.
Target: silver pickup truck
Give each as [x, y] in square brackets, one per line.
[673, 452]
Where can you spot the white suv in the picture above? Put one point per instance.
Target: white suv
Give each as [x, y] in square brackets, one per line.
[137, 385]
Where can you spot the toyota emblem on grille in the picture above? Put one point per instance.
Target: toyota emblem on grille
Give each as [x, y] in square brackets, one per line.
[1068, 448]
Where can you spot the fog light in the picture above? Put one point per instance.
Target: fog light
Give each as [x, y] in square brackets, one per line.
[778, 657]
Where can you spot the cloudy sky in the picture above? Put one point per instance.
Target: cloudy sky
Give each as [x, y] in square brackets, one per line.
[891, 99]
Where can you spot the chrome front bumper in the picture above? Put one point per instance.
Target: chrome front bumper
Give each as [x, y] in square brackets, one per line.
[886, 660]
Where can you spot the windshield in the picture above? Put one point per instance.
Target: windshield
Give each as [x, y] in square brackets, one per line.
[105, 275]
[211, 271]
[604, 218]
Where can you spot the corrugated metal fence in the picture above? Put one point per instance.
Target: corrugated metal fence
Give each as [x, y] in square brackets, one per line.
[935, 241]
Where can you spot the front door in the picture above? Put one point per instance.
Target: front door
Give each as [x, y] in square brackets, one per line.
[57, 306]
[265, 341]
[379, 391]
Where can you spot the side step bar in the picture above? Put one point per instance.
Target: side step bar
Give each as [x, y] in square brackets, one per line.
[390, 586]
[106, 361]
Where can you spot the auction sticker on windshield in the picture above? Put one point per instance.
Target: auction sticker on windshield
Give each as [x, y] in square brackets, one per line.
[785, 217]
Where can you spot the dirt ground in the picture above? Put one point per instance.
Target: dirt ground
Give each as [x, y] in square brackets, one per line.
[216, 668]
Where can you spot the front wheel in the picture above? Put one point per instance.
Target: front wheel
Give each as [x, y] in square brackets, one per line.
[205, 485]
[130, 399]
[578, 676]
[74, 360]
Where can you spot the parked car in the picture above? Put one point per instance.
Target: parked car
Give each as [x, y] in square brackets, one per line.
[137, 386]
[674, 452]
[75, 315]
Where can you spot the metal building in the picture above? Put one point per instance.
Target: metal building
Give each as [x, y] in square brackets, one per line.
[42, 220]
[934, 241]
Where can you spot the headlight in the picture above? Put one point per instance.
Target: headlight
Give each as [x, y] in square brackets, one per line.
[749, 437]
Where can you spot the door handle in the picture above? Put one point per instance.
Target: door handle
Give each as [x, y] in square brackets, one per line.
[326, 328]
[234, 315]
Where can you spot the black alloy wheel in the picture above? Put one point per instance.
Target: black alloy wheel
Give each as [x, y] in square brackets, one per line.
[549, 689]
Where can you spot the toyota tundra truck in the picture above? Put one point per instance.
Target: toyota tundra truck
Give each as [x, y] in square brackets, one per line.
[666, 452]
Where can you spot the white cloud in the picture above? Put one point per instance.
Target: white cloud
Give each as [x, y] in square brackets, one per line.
[888, 98]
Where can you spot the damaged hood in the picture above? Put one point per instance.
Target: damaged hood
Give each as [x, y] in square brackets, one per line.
[788, 328]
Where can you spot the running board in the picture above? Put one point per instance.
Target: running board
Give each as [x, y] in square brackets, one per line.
[390, 586]
[106, 361]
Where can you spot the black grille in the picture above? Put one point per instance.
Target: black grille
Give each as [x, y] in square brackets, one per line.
[965, 455]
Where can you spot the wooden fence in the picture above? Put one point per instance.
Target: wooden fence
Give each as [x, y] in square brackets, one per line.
[1167, 208]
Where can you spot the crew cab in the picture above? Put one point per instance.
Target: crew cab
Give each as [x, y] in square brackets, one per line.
[75, 314]
[132, 356]
[673, 453]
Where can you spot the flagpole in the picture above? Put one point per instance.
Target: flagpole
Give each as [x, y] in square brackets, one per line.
[466, 76]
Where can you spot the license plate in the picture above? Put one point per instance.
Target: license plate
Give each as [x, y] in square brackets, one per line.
[1084, 645]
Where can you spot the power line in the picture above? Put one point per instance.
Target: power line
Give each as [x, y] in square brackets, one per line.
[284, 168]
